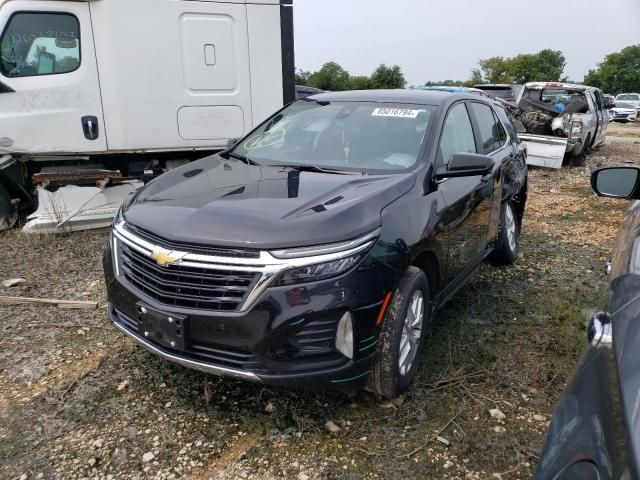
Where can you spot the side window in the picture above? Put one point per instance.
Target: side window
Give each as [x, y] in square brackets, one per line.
[500, 131]
[36, 43]
[506, 123]
[601, 100]
[457, 134]
[489, 128]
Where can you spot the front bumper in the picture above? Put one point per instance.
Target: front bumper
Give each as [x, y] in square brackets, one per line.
[287, 338]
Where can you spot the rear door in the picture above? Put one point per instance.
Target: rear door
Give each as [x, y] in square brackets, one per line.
[467, 213]
[492, 141]
[49, 93]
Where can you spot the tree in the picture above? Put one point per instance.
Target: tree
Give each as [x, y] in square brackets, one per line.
[546, 65]
[495, 70]
[476, 77]
[388, 77]
[360, 82]
[618, 72]
[302, 77]
[330, 77]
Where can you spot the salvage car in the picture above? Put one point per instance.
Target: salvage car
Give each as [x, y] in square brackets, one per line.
[314, 252]
[633, 98]
[559, 120]
[624, 112]
[595, 431]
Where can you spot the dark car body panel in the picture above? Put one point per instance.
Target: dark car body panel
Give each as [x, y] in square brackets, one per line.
[598, 419]
[447, 227]
[203, 200]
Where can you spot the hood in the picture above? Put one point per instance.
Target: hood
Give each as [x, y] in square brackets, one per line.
[222, 202]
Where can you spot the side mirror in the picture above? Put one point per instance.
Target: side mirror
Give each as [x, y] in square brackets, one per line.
[232, 142]
[610, 104]
[618, 182]
[466, 165]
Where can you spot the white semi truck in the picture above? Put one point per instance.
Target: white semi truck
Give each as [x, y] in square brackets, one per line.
[97, 96]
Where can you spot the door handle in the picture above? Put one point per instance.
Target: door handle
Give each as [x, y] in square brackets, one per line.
[90, 127]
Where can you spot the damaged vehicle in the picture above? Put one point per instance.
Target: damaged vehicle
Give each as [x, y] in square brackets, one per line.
[314, 252]
[561, 120]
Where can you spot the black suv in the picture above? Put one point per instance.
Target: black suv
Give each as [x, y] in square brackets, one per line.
[314, 252]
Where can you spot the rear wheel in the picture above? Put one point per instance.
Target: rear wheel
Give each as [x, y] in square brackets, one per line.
[401, 337]
[508, 237]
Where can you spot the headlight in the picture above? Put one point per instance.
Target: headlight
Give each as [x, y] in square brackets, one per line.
[319, 262]
[319, 271]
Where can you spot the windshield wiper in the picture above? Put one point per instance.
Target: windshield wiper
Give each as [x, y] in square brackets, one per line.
[242, 158]
[315, 168]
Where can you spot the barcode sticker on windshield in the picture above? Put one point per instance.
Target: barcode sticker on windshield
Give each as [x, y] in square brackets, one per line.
[395, 112]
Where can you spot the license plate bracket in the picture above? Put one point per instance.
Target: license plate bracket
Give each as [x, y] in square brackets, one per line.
[168, 330]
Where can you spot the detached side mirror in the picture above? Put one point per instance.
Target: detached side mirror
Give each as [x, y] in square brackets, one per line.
[617, 182]
[466, 165]
[232, 142]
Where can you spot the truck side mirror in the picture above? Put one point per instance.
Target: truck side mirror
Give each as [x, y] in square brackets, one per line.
[232, 142]
[618, 182]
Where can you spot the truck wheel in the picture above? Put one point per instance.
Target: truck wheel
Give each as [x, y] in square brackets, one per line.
[581, 157]
[508, 236]
[8, 215]
[400, 343]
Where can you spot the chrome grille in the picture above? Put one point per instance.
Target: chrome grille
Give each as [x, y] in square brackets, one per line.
[185, 286]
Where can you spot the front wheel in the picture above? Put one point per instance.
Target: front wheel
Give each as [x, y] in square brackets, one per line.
[581, 158]
[508, 237]
[401, 337]
[8, 216]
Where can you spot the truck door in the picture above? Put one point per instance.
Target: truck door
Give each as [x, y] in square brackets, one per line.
[49, 90]
[603, 117]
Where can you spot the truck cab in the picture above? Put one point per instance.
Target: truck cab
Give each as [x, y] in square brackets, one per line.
[111, 83]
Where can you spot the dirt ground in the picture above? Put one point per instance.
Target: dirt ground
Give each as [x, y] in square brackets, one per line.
[79, 400]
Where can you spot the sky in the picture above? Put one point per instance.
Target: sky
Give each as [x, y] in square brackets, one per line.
[444, 39]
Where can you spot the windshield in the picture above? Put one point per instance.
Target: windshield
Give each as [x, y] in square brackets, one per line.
[628, 97]
[342, 135]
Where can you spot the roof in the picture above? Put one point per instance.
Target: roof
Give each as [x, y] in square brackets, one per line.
[414, 95]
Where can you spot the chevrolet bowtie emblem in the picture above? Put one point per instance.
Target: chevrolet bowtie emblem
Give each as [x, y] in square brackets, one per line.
[164, 258]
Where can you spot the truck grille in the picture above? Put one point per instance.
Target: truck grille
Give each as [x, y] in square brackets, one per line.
[190, 287]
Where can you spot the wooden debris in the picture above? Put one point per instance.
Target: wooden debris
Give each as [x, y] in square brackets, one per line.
[77, 304]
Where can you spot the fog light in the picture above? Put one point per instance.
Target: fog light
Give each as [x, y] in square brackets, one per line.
[344, 336]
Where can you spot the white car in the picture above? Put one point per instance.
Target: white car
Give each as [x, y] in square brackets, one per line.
[624, 112]
[633, 98]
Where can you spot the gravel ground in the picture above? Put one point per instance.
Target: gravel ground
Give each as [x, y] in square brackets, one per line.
[79, 400]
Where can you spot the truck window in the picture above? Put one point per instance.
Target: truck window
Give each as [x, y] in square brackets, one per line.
[490, 129]
[457, 134]
[37, 43]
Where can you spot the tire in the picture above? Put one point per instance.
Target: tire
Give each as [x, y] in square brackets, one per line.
[8, 215]
[508, 236]
[388, 378]
[581, 157]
